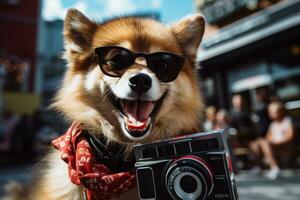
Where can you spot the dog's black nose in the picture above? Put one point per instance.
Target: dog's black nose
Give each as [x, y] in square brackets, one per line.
[140, 82]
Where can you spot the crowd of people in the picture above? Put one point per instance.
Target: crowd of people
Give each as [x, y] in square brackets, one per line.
[22, 137]
[267, 132]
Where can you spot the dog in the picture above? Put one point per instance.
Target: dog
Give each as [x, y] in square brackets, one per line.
[129, 80]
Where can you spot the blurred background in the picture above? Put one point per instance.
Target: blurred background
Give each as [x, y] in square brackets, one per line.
[249, 74]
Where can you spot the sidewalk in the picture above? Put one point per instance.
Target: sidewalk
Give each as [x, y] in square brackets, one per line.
[287, 187]
[249, 187]
[19, 173]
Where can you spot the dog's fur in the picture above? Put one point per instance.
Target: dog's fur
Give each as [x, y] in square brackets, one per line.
[84, 95]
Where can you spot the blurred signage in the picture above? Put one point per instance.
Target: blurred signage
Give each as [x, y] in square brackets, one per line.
[289, 91]
[21, 103]
[251, 83]
[217, 10]
[292, 105]
[235, 31]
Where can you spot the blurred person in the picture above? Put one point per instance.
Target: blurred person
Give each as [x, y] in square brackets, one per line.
[240, 118]
[36, 121]
[2, 82]
[18, 139]
[261, 116]
[43, 139]
[7, 124]
[281, 128]
[2, 130]
[210, 122]
[35, 126]
[24, 138]
[262, 121]
[223, 122]
[279, 138]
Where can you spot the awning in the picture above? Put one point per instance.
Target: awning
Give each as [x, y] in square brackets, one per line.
[251, 83]
[276, 19]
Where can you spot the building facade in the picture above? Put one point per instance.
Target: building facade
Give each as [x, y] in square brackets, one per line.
[19, 21]
[260, 51]
[19, 29]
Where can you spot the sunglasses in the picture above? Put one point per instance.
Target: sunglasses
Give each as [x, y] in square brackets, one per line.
[115, 60]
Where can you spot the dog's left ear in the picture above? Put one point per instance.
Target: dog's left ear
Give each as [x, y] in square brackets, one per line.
[189, 32]
[78, 31]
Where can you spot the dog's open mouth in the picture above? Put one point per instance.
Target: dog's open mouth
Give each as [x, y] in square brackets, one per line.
[138, 115]
[137, 119]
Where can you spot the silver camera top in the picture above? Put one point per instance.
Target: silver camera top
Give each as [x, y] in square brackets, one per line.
[194, 143]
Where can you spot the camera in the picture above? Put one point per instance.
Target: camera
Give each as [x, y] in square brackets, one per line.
[194, 167]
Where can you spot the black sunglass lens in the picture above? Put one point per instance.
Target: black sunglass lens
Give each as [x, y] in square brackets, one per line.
[120, 60]
[165, 66]
[113, 61]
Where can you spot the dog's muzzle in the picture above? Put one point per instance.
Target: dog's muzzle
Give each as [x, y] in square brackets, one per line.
[137, 113]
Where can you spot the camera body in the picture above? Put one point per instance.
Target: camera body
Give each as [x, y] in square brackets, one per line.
[195, 167]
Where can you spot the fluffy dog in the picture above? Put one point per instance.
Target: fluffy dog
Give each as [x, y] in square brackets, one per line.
[155, 96]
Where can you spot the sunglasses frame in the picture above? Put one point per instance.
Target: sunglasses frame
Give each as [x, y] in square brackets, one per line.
[134, 55]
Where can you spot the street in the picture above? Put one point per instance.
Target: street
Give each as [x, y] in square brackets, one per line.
[260, 188]
[249, 187]
[122, 73]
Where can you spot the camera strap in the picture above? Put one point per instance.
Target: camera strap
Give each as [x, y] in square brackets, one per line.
[110, 154]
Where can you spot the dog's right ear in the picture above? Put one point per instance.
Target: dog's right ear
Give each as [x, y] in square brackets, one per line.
[78, 31]
[189, 32]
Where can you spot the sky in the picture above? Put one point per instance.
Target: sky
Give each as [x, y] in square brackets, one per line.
[169, 10]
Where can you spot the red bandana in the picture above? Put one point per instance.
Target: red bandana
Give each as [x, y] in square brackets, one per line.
[84, 170]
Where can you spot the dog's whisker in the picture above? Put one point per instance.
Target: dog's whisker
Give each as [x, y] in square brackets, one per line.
[107, 93]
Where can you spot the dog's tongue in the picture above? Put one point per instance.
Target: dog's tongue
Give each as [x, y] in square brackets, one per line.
[138, 112]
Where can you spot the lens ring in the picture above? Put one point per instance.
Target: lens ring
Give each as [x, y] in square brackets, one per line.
[193, 164]
[175, 172]
[183, 194]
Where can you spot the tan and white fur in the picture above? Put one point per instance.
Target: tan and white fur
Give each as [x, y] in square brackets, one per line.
[83, 96]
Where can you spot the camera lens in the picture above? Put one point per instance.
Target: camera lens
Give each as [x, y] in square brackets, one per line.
[189, 177]
[188, 184]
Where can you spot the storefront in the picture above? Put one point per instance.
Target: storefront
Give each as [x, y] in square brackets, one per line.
[15, 96]
[260, 51]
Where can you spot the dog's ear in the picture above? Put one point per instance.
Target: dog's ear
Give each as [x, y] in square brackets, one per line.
[189, 32]
[78, 31]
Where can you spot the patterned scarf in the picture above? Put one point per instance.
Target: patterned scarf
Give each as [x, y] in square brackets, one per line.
[100, 183]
